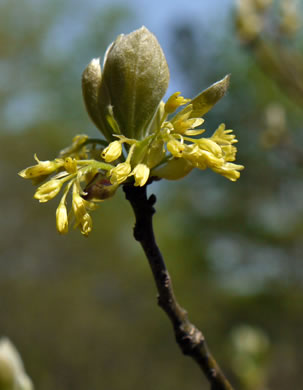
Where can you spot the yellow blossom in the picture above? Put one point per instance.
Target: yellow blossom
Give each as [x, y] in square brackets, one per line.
[70, 165]
[229, 152]
[112, 151]
[229, 170]
[61, 218]
[192, 153]
[48, 190]
[82, 217]
[174, 102]
[201, 158]
[43, 168]
[209, 159]
[120, 173]
[223, 137]
[183, 126]
[77, 148]
[210, 146]
[141, 173]
[175, 147]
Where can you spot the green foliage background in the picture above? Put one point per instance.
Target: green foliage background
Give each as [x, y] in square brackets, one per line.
[82, 311]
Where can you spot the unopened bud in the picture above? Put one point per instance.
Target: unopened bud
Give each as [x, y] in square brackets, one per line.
[134, 79]
[120, 173]
[112, 151]
[62, 219]
[141, 174]
[48, 190]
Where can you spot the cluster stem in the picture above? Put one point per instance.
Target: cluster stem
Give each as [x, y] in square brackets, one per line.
[189, 338]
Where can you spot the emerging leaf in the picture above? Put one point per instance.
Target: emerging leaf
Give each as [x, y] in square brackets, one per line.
[209, 97]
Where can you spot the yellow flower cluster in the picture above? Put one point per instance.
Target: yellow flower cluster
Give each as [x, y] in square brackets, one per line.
[145, 137]
[174, 139]
[74, 173]
[171, 151]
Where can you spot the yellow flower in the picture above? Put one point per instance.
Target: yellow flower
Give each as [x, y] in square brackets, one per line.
[43, 168]
[174, 102]
[193, 154]
[207, 159]
[112, 151]
[229, 170]
[61, 218]
[183, 126]
[79, 207]
[48, 190]
[229, 152]
[77, 148]
[175, 147]
[223, 137]
[210, 146]
[141, 173]
[120, 173]
[70, 165]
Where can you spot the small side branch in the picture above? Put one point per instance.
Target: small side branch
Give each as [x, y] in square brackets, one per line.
[188, 336]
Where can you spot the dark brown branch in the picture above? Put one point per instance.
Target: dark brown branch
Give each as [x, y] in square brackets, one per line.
[189, 338]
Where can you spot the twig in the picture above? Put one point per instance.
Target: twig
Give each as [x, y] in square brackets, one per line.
[190, 339]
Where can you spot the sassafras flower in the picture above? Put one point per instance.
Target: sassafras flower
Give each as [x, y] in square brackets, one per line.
[120, 173]
[83, 219]
[48, 190]
[70, 165]
[229, 170]
[141, 174]
[174, 102]
[210, 146]
[112, 152]
[62, 218]
[43, 168]
[223, 136]
[175, 147]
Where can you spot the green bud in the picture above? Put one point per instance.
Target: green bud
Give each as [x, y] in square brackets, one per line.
[205, 101]
[134, 79]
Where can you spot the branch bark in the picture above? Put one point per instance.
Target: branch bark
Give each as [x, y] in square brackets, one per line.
[189, 338]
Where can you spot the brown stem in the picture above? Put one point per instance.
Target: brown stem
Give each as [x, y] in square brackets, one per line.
[190, 339]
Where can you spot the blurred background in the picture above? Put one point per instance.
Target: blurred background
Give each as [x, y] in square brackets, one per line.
[82, 311]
